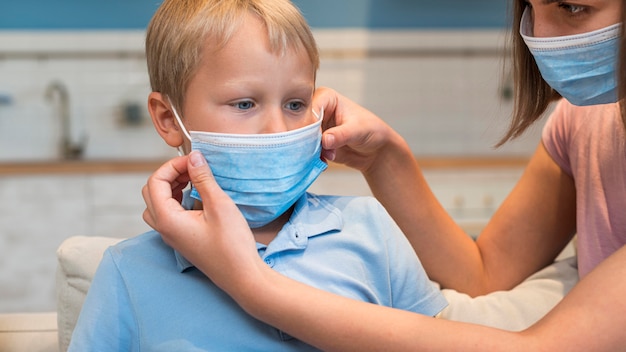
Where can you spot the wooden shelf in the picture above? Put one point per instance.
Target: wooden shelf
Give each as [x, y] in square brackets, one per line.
[133, 166]
[79, 167]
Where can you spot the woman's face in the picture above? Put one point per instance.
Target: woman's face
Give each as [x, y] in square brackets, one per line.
[554, 18]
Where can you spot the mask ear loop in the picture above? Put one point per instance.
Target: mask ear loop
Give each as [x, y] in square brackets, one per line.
[182, 127]
[321, 115]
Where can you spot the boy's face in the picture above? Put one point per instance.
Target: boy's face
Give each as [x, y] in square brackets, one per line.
[244, 88]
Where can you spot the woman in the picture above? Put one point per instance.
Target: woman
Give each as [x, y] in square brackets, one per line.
[574, 183]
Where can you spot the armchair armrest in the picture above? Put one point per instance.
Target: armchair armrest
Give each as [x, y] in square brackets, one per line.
[27, 332]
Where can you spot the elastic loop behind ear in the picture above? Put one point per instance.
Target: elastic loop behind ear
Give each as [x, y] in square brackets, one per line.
[180, 122]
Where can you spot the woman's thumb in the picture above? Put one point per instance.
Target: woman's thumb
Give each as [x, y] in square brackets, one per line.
[200, 173]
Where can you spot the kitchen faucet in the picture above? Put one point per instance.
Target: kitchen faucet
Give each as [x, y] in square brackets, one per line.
[56, 90]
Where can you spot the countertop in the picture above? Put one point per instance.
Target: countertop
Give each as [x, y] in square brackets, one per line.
[134, 166]
[78, 166]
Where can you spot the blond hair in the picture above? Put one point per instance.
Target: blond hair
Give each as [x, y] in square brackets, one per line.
[180, 28]
[532, 94]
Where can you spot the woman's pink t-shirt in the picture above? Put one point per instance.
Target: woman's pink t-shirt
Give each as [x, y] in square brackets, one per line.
[588, 143]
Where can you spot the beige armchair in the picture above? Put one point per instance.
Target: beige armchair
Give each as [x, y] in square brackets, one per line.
[78, 258]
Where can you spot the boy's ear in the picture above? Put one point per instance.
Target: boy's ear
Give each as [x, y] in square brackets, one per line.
[164, 120]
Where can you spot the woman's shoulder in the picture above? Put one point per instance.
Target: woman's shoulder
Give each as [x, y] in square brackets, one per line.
[569, 117]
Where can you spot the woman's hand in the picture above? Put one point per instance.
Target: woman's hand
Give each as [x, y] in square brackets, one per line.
[216, 239]
[353, 135]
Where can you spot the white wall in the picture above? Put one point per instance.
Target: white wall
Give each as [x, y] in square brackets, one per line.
[441, 90]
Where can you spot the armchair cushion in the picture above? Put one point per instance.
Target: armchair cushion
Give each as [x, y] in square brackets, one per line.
[78, 258]
[520, 307]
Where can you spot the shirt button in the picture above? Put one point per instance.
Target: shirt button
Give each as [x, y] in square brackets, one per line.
[269, 262]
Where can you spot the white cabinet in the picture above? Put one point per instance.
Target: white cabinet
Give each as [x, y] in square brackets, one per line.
[471, 196]
[37, 212]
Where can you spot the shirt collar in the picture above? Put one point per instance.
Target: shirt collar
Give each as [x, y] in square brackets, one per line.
[312, 216]
[181, 262]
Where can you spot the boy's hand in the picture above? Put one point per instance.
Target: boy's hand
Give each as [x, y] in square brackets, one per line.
[216, 239]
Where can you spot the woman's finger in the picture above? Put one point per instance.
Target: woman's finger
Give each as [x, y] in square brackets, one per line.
[163, 190]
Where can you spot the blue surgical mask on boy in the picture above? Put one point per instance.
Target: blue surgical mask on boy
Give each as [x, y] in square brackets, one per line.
[581, 67]
[264, 174]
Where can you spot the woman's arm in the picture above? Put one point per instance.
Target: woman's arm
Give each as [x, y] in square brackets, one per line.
[590, 318]
[529, 230]
[335, 323]
[219, 242]
[533, 224]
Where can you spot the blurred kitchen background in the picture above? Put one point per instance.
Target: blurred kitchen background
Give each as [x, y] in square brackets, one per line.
[77, 144]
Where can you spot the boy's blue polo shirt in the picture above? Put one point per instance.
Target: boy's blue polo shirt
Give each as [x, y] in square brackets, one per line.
[147, 297]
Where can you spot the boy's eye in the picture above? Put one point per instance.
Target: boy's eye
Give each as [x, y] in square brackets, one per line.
[294, 105]
[244, 105]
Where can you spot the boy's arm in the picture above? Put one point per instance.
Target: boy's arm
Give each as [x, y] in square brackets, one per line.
[105, 322]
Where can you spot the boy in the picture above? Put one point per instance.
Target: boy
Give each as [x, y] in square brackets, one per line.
[241, 73]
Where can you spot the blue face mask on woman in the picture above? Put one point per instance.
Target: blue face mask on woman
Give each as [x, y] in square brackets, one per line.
[581, 67]
[264, 174]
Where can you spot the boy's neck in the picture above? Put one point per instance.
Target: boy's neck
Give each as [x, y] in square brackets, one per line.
[267, 233]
